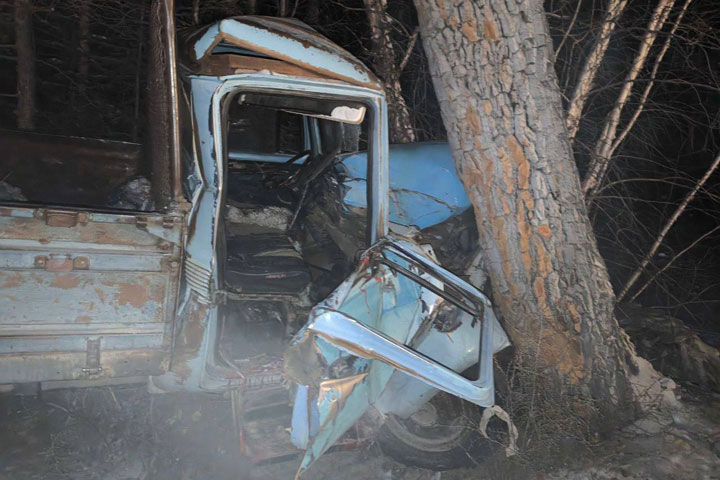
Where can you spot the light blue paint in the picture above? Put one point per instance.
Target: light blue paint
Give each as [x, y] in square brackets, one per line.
[303, 427]
[424, 187]
[374, 316]
[383, 301]
[293, 43]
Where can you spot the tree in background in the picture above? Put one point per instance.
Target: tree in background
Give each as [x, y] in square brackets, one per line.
[25, 50]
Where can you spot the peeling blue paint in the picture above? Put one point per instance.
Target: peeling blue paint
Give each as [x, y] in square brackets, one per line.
[382, 319]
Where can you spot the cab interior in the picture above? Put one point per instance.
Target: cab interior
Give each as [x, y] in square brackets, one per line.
[287, 241]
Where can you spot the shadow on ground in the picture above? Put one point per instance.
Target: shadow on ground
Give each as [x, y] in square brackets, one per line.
[124, 433]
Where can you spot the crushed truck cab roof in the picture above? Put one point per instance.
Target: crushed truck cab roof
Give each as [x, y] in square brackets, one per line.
[282, 46]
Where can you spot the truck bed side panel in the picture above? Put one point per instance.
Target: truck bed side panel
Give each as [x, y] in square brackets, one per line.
[86, 294]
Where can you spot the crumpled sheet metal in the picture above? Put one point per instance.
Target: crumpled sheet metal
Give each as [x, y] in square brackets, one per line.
[287, 40]
[424, 186]
[387, 302]
[357, 338]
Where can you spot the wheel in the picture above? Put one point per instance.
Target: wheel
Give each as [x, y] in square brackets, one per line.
[442, 435]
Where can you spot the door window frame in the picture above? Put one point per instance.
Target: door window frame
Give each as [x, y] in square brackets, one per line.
[377, 193]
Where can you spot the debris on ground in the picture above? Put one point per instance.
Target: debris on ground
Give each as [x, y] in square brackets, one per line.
[123, 433]
[671, 347]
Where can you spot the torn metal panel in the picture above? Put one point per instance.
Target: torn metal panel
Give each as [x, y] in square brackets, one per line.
[280, 39]
[203, 220]
[424, 187]
[369, 328]
[457, 350]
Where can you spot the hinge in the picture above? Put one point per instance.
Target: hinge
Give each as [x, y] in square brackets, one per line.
[168, 222]
[92, 357]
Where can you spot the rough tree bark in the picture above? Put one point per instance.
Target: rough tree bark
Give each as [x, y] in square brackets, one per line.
[491, 64]
[385, 66]
[25, 48]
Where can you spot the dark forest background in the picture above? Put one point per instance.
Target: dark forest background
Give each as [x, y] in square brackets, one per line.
[90, 56]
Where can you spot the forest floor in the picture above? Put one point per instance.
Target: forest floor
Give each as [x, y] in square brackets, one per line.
[124, 433]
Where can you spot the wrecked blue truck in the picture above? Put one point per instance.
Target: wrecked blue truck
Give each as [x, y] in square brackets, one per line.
[272, 261]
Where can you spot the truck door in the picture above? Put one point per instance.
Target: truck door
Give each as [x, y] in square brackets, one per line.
[373, 325]
[86, 294]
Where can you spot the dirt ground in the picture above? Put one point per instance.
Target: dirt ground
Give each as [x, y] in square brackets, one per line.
[124, 433]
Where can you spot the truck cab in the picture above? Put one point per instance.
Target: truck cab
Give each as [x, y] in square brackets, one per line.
[249, 273]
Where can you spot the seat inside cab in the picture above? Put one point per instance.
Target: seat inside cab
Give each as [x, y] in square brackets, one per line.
[288, 240]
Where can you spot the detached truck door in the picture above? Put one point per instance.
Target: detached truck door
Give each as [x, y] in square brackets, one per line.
[86, 294]
[376, 323]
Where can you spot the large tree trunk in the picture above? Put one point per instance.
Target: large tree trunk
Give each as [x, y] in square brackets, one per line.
[385, 66]
[25, 48]
[491, 65]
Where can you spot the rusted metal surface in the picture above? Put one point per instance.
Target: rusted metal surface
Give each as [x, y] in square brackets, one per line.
[277, 38]
[78, 279]
[174, 92]
[228, 64]
[90, 169]
[70, 365]
[93, 231]
[163, 110]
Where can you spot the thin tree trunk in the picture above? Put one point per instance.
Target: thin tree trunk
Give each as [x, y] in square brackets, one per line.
[668, 225]
[383, 58]
[252, 7]
[600, 159]
[649, 86]
[25, 49]
[83, 44]
[139, 75]
[491, 64]
[196, 12]
[587, 77]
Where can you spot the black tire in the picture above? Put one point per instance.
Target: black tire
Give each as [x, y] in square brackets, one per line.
[443, 435]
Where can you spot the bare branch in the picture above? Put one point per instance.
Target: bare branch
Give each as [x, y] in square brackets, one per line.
[672, 260]
[668, 225]
[569, 28]
[410, 48]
